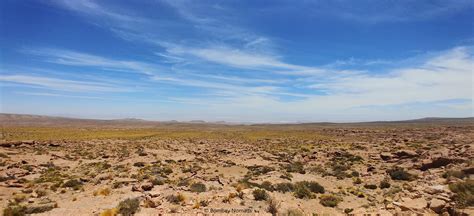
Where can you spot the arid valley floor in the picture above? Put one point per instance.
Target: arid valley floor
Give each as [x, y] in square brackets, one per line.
[56, 166]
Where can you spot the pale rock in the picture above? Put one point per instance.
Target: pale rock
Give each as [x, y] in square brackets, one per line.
[437, 205]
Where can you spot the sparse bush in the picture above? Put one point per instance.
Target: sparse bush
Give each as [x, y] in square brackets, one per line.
[312, 186]
[198, 187]
[464, 193]
[357, 181]
[73, 183]
[370, 186]
[15, 210]
[258, 170]
[273, 206]
[296, 167]
[176, 199]
[158, 181]
[284, 187]
[302, 192]
[260, 194]
[129, 206]
[103, 192]
[355, 174]
[267, 186]
[398, 173]
[329, 200]
[384, 184]
[109, 212]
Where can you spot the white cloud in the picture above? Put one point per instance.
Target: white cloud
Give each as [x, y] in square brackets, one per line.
[67, 57]
[61, 84]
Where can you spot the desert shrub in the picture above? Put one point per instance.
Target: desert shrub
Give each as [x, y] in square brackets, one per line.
[176, 199]
[454, 173]
[198, 187]
[302, 192]
[296, 167]
[312, 186]
[15, 210]
[73, 183]
[103, 191]
[273, 206]
[464, 193]
[286, 175]
[284, 187]
[355, 174]
[129, 206]
[158, 181]
[357, 180]
[384, 184]
[267, 186]
[260, 194]
[109, 212]
[398, 173]
[258, 170]
[329, 200]
[184, 182]
[370, 186]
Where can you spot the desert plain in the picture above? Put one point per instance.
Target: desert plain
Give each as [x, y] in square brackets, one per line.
[60, 166]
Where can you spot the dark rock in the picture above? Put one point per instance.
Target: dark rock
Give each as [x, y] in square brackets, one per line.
[439, 162]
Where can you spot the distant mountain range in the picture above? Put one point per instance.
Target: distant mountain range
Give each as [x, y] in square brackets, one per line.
[40, 120]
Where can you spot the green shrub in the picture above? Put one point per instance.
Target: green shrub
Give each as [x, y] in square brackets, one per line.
[267, 186]
[260, 194]
[464, 193]
[284, 187]
[198, 187]
[296, 167]
[329, 200]
[129, 206]
[312, 186]
[302, 192]
[15, 210]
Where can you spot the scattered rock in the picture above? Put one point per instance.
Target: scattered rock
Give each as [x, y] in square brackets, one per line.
[437, 205]
[439, 162]
[386, 156]
[147, 186]
[406, 154]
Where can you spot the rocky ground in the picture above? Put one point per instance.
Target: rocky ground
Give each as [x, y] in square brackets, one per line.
[241, 170]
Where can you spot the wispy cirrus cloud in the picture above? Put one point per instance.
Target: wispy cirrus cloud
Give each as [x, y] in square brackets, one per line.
[74, 58]
[61, 84]
[46, 94]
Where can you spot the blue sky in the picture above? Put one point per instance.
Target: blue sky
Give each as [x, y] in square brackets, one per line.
[238, 61]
